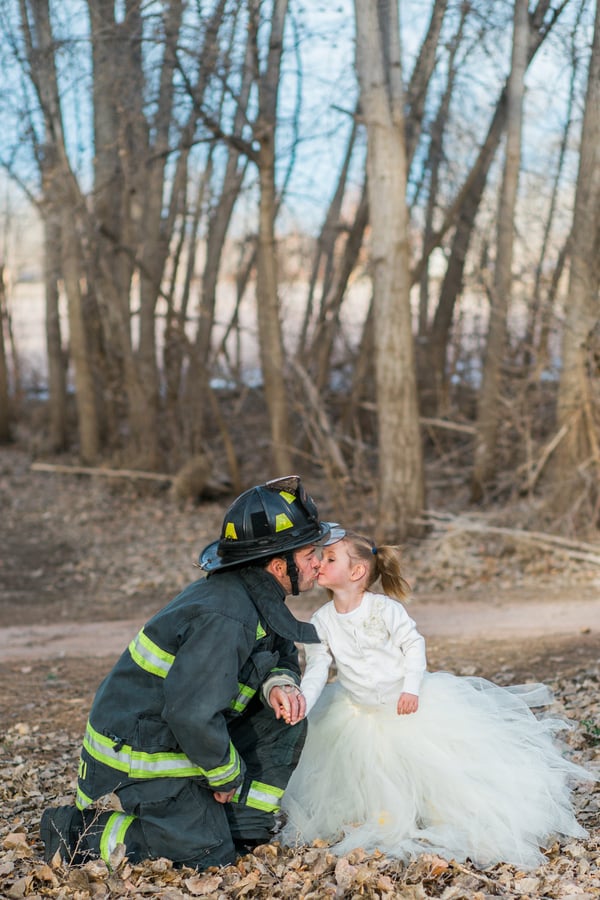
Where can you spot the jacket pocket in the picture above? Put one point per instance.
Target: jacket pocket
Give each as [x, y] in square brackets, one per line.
[152, 735]
[257, 667]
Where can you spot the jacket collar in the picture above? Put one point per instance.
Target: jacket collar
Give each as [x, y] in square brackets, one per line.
[268, 597]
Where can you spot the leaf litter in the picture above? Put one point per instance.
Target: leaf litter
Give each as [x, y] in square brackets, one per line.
[129, 567]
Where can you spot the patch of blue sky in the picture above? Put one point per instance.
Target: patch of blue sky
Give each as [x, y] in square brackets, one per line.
[323, 35]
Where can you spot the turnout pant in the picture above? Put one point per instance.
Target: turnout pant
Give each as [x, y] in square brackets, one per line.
[179, 818]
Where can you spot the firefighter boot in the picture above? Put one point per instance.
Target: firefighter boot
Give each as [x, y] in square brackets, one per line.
[60, 829]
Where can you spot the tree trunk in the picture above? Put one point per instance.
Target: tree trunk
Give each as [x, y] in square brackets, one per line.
[490, 412]
[5, 417]
[430, 390]
[378, 62]
[574, 408]
[57, 363]
[269, 326]
[39, 43]
[461, 215]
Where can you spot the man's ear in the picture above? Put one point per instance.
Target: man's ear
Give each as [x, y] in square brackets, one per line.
[277, 567]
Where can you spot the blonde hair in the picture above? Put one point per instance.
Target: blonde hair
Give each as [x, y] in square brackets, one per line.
[382, 562]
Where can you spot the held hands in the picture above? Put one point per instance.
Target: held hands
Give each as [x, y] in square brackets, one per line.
[408, 703]
[288, 703]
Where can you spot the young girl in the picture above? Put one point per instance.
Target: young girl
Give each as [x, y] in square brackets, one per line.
[406, 761]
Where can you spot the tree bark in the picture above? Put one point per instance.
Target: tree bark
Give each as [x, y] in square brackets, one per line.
[65, 194]
[269, 326]
[57, 363]
[489, 411]
[461, 216]
[579, 356]
[378, 61]
[5, 415]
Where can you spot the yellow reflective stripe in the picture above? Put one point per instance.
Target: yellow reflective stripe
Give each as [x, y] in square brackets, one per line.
[264, 796]
[260, 632]
[114, 834]
[149, 656]
[139, 764]
[82, 801]
[244, 697]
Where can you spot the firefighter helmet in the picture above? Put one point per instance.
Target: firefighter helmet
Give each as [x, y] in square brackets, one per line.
[270, 519]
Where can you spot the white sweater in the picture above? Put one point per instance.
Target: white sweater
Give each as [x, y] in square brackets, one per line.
[377, 649]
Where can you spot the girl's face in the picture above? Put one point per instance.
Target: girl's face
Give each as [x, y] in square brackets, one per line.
[334, 571]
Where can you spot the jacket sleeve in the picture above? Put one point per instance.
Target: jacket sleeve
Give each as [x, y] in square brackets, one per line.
[287, 670]
[201, 686]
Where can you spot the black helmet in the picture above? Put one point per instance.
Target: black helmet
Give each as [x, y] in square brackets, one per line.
[270, 519]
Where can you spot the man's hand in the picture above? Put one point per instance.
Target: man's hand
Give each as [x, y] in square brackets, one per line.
[288, 703]
[223, 796]
[408, 703]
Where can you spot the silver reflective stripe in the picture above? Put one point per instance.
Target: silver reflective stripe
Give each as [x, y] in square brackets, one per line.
[113, 834]
[243, 698]
[82, 801]
[139, 764]
[149, 656]
[264, 796]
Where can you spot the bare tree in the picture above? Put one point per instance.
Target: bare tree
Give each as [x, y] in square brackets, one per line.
[269, 325]
[459, 219]
[378, 61]
[65, 201]
[57, 358]
[490, 410]
[577, 459]
[5, 416]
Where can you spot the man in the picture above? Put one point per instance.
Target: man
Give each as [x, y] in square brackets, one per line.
[199, 725]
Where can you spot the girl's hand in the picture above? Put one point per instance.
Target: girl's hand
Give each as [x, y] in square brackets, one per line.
[288, 703]
[408, 703]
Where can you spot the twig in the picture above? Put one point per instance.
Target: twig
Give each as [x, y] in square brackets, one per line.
[450, 426]
[547, 451]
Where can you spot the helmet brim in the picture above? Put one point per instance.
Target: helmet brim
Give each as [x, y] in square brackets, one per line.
[210, 561]
[336, 533]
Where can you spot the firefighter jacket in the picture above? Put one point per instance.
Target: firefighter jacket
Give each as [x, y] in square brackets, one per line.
[163, 711]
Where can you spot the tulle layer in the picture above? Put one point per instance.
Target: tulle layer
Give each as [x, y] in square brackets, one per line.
[473, 774]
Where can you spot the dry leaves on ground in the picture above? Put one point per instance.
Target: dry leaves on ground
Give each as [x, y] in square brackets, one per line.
[39, 768]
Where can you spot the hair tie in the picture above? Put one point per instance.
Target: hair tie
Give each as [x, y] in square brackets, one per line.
[374, 551]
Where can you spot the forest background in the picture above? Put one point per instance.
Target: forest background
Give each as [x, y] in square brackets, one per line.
[365, 242]
[356, 241]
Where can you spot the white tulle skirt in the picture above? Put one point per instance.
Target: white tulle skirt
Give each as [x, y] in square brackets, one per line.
[472, 774]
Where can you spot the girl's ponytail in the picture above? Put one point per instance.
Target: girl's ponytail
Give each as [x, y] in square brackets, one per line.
[382, 562]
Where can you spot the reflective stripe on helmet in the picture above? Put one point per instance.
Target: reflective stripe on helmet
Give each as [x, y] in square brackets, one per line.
[138, 764]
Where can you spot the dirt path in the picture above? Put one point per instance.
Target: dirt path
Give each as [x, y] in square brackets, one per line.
[518, 617]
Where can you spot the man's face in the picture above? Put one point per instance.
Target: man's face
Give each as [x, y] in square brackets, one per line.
[307, 562]
[308, 566]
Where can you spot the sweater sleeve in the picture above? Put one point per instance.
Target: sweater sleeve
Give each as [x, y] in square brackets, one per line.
[316, 673]
[412, 645]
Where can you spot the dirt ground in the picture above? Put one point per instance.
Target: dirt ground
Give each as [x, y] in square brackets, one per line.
[84, 561]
